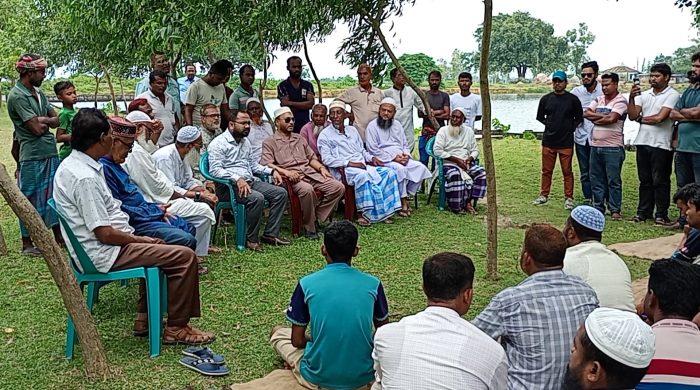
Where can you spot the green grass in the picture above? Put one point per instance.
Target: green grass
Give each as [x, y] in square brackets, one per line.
[245, 294]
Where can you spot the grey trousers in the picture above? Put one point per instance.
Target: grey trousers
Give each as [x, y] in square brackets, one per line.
[276, 198]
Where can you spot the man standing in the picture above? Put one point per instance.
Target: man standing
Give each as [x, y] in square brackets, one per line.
[363, 100]
[208, 90]
[290, 155]
[239, 98]
[311, 130]
[260, 129]
[588, 91]
[428, 350]
[229, 159]
[297, 94]
[466, 99]
[608, 114]
[653, 143]
[406, 99]
[32, 116]
[560, 112]
[440, 107]
[538, 318]
[160, 62]
[162, 106]
[188, 79]
[386, 140]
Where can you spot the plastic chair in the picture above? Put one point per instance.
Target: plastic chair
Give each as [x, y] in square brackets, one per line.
[440, 179]
[236, 208]
[295, 206]
[156, 288]
[349, 197]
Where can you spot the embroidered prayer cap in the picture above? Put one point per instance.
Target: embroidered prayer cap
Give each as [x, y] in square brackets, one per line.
[138, 117]
[250, 100]
[121, 127]
[336, 104]
[188, 134]
[30, 63]
[589, 217]
[388, 100]
[460, 109]
[282, 110]
[622, 336]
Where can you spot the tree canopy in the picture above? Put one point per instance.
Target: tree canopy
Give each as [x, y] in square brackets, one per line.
[418, 65]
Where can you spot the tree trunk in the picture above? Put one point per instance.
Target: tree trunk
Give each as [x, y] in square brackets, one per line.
[111, 90]
[263, 83]
[1, 93]
[121, 87]
[3, 244]
[97, 87]
[313, 71]
[491, 199]
[96, 365]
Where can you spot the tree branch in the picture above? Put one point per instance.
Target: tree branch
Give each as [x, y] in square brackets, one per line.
[313, 71]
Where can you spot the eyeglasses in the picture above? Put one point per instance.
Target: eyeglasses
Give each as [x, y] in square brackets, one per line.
[287, 120]
[584, 75]
[129, 145]
[213, 115]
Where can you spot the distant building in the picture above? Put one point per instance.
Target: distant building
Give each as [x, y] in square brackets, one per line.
[625, 72]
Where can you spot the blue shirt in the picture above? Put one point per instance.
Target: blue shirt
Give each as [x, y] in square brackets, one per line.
[286, 89]
[183, 83]
[340, 303]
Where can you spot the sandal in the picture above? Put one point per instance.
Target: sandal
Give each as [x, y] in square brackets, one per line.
[203, 353]
[187, 335]
[388, 221]
[470, 209]
[363, 222]
[204, 366]
[202, 270]
[214, 249]
[403, 213]
[141, 327]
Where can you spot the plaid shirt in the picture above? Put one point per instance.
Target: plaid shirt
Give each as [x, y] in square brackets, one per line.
[537, 321]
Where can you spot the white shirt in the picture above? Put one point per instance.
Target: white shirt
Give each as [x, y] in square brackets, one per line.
[582, 136]
[258, 134]
[604, 271]
[231, 160]
[82, 195]
[168, 160]
[658, 136]
[437, 349]
[471, 103]
[163, 111]
[154, 185]
[406, 99]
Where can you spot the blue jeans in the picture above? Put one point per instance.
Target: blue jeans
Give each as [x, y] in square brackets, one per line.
[170, 234]
[606, 179]
[583, 155]
[687, 172]
[424, 156]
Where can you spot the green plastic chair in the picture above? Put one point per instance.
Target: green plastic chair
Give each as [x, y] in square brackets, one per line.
[442, 195]
[156, 288]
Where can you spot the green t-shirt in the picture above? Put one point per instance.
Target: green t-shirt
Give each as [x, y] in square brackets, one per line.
[689, 132]
[65, 118]
[21, 107]
[239, 98]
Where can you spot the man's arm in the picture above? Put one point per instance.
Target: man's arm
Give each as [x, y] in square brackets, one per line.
[677, 116]
[540, 112]
[491, 321]
[658, 118]
[111, 236]
[189, 110]
[607, 119]
[478, 111]
[15, 150]
[226, 111]
[591, 115]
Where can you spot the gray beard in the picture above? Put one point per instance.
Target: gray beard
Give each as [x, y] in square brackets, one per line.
[211, 130]
[146, 144]
[385, 123]
[192, 158]
[454, 131]
[317, 130]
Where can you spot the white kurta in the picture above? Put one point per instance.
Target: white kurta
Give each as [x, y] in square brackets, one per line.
[338, 149]
[462, 146]
[168, 160]
[386, 144]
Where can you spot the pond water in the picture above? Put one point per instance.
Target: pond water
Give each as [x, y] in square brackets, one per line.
[518, 111]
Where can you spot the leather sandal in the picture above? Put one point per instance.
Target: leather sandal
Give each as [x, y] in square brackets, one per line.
[363, 222]
[187, 335]
[141, 327]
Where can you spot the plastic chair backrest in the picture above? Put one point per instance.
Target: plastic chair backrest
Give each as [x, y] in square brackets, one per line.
[83, 258]
[429, 147]
[204, 169]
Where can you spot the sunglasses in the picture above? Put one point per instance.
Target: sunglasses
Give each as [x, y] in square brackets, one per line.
[584, 75]
[287, 120]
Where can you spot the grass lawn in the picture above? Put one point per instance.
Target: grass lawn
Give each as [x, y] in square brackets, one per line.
[245, 294]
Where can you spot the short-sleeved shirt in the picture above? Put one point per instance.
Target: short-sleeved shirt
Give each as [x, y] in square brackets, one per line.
[471, 103]
[21, 107]
[437, 101]
[561, 114]
[184, 84]
[286, 89]
[609, 136]
[239, 98]
[676, 361]
[201, 93]
[292, 153]
[689, 132]
[364, 104]
[658, 135]
[340, 304]
[163, 111]
[172, 90]
[65, 120]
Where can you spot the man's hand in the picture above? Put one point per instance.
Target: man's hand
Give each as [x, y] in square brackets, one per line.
[148, 240]
[209, 197]
[164, 207]
[635, 91]
[157, 126]
[244, 187]
[376, 162]
[276, 178]
[293, 177]
[324, 172]
[359, 165]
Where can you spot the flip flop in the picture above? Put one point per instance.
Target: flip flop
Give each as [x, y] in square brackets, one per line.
[203, 353]
[204, 366]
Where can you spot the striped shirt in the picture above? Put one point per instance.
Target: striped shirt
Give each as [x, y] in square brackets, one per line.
[537, 321]
[676, 363]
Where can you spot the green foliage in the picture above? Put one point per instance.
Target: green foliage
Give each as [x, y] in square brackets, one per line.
[496, 125]
[578, 40]
[418, 65]
[679, 61]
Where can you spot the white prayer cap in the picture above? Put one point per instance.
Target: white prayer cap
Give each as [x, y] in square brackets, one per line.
[336, 104]
[622, 336]
[460, 109]
[138, 116]
[388, 100]
[282, 110]
[188, 134]
[250, 100]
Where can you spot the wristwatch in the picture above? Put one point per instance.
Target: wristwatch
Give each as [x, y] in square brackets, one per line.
[197, 196]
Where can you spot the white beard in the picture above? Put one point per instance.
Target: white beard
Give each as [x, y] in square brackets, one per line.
[145, 143]
[454, 131]
[317, 130]
[192, 158]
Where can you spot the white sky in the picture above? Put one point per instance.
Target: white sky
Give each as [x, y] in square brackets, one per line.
[656, 25]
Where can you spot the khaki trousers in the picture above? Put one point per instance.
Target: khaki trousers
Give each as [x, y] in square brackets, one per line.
[332, 191]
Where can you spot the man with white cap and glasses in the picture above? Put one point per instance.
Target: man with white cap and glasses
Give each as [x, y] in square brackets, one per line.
[611, 350]
[589, 259]
[230, 159]
[260, 129]
[385, 140]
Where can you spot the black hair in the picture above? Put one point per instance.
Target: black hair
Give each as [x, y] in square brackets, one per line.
[686, 192]
[221, 67]
[61, 86]
[590, 64]
[675, 284]
[465, 75]
[243, 68]
[192, 65]
[89, 125]
[435, 72]
[695, 57]
[545, 244]
[340, 240]
[693, 196]
[611, 76]
[290, 59]
[662, 68]
[157, 73]
[584, 233]
[446, 275]
[619, 375]
[393, 73]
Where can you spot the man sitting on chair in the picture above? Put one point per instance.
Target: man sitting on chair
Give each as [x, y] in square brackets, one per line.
[386, 140]
[103, 230]
[376, 187]
[290, 155]
[464, 180]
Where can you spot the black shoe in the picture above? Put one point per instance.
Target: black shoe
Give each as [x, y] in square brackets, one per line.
[638, 219]
[311, 235]
[663, 221]
[274, 240]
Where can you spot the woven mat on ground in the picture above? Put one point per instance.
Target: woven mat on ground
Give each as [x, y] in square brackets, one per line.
[654, 249]
[276, 380]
